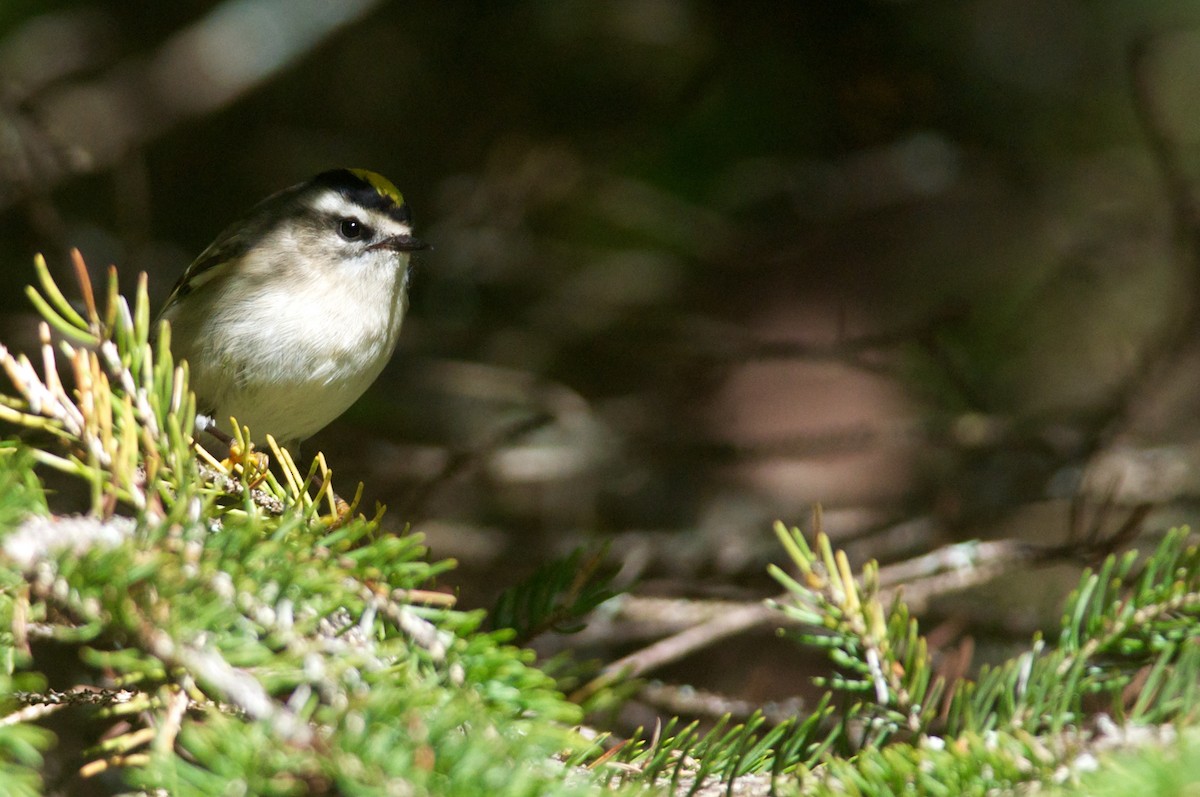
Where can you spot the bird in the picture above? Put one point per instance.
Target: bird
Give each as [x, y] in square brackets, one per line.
[291, 313]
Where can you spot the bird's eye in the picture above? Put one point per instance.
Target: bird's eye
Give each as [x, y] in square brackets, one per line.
[352, 229]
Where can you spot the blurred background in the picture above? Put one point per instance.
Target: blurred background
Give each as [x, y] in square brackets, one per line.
[696, 265]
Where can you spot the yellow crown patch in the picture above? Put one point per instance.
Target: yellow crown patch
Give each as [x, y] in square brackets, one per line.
[381, 184]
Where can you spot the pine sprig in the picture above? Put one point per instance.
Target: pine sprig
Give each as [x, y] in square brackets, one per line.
[124, 423]
[556, 597]
[878, 650]
[1133, 622]
[686, 759]
[1131, 616]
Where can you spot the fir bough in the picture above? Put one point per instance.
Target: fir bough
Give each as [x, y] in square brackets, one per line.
[230, 634]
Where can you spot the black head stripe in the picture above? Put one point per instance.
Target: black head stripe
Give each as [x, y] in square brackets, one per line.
[359, 191]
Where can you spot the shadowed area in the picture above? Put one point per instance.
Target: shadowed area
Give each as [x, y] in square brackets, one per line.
[695, 266]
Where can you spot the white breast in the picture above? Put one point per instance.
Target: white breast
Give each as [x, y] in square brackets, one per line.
[287, 361]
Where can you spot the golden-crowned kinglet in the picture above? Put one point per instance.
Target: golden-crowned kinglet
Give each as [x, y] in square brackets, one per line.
[291, 313]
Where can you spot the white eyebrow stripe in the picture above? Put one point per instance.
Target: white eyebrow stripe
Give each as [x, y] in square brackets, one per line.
[386, 224]
[333, 204]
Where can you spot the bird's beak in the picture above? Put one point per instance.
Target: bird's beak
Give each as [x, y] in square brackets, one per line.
[400, 243]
